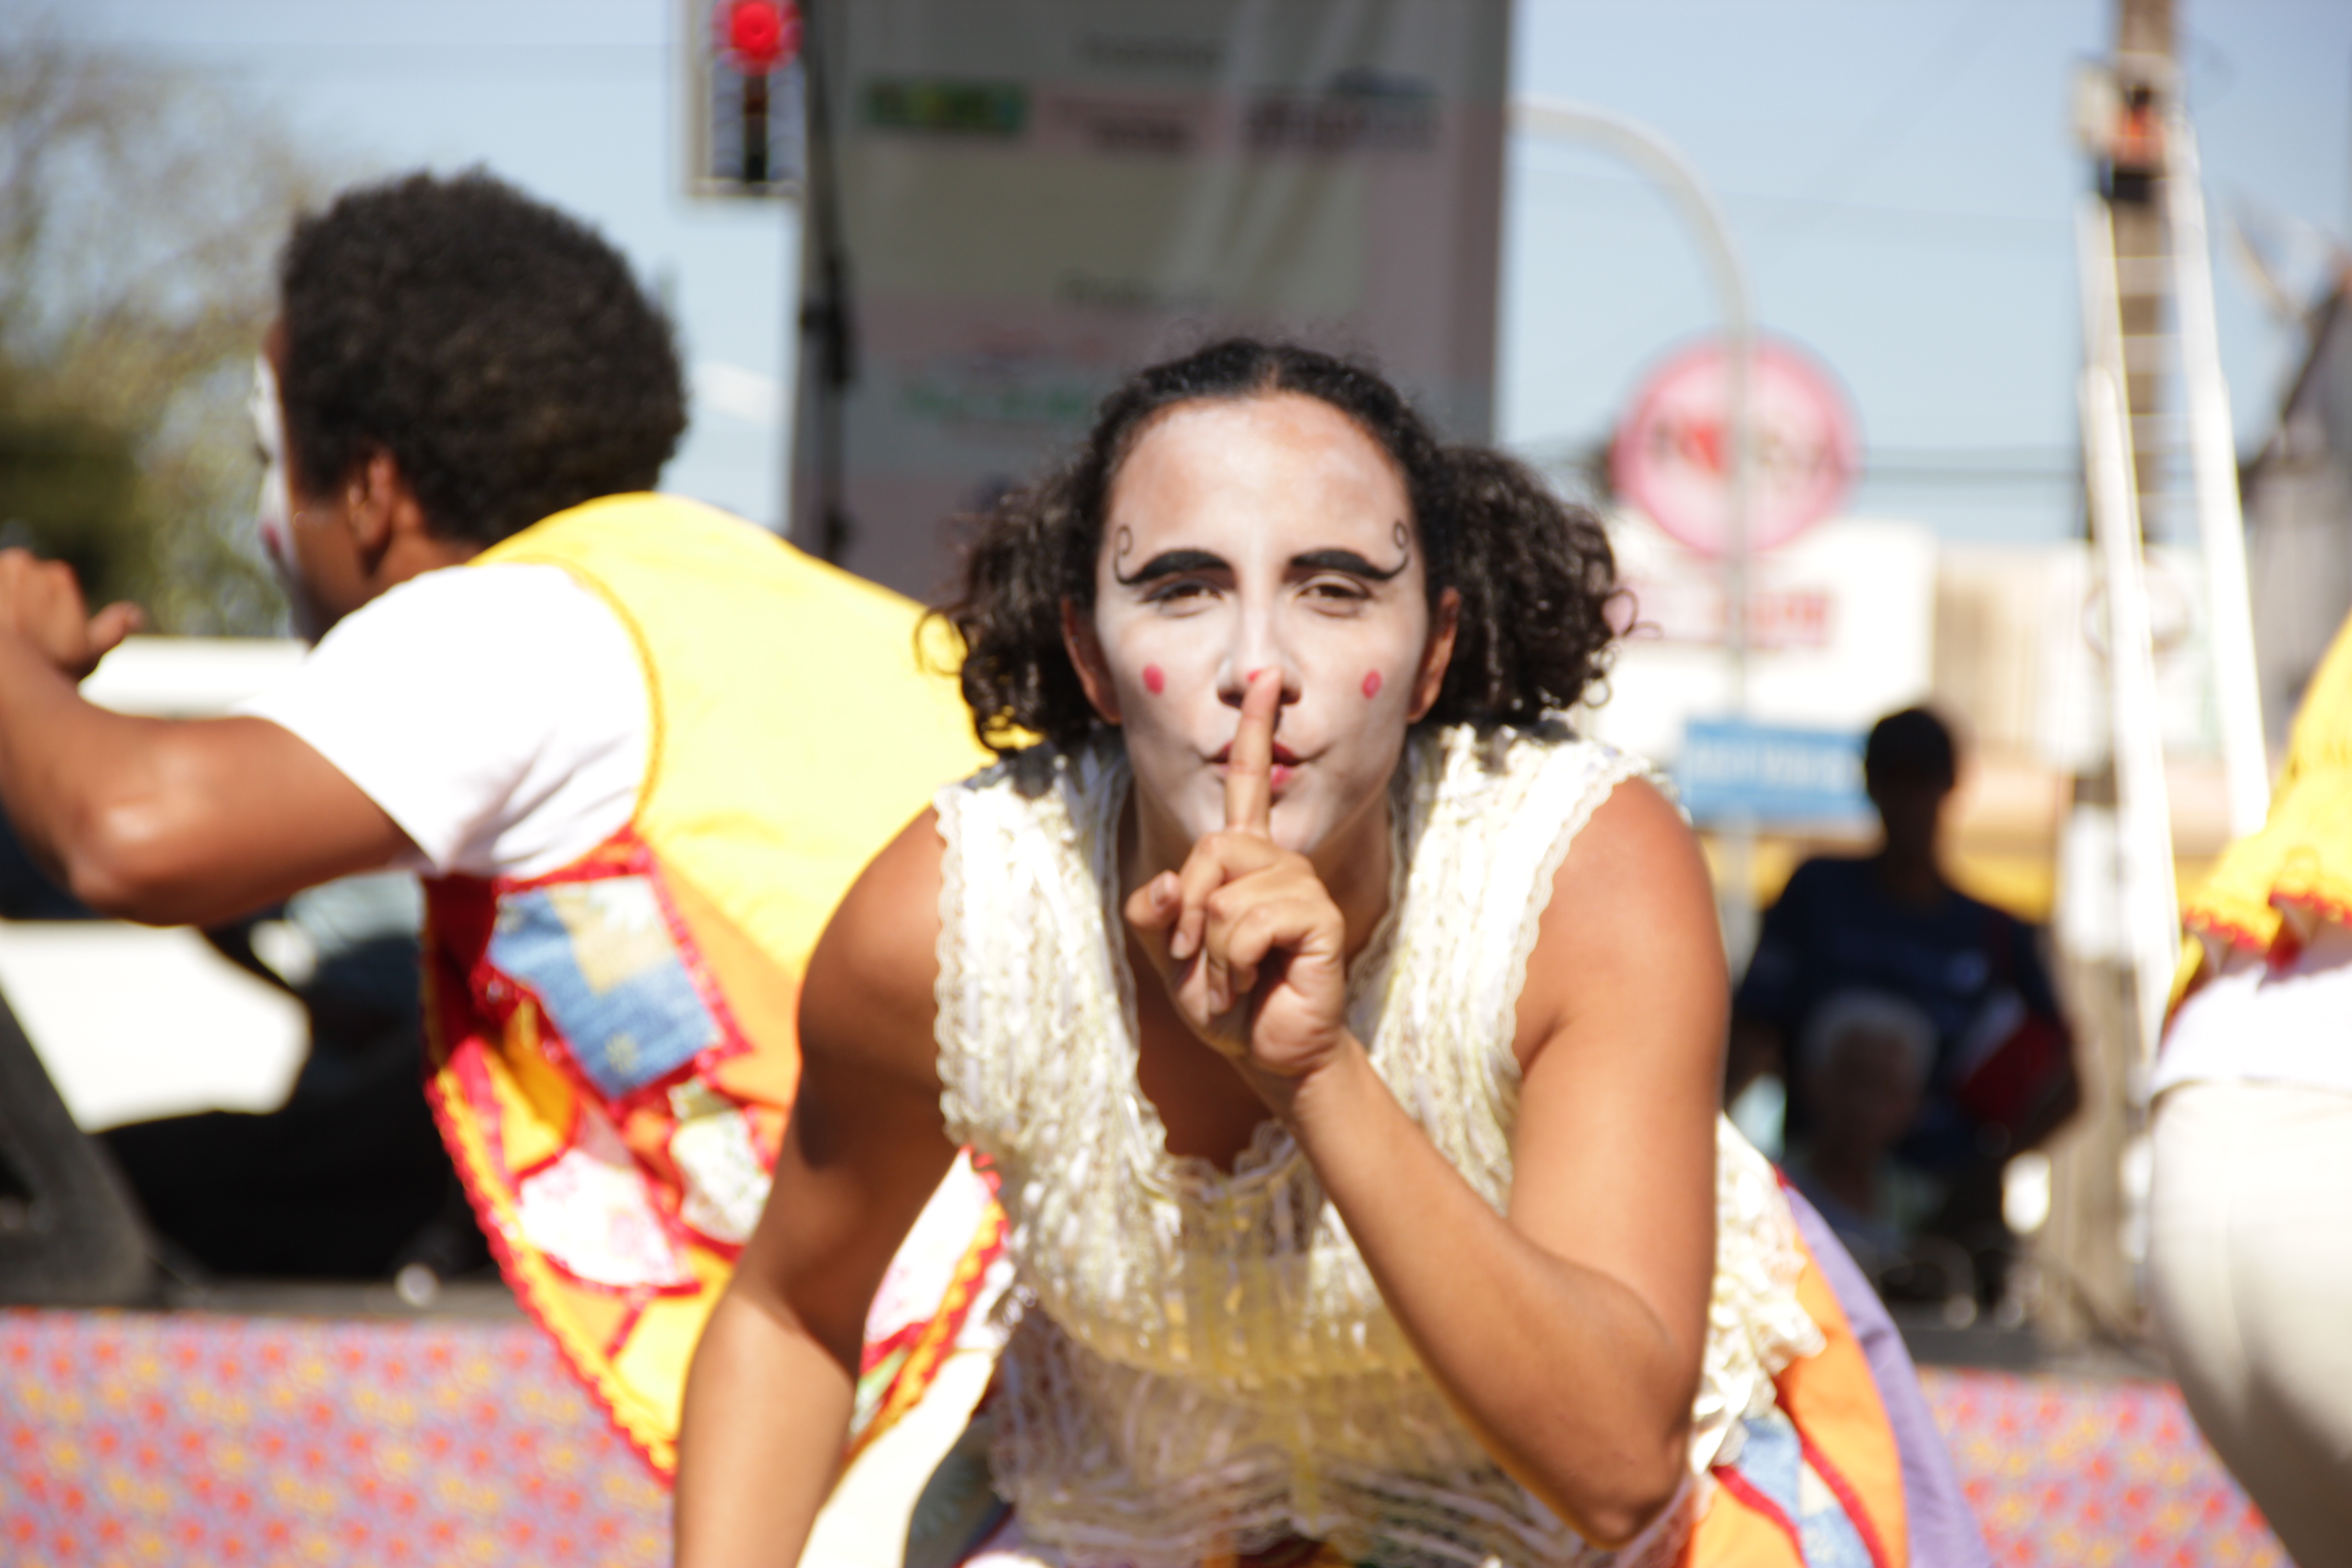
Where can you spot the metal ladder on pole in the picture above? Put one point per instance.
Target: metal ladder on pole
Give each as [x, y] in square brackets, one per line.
[2117, 392]
[2151, 469]
[2159, 454]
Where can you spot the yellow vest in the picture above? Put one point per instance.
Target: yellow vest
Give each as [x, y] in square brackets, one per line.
[613, 1045]
[2301, 859]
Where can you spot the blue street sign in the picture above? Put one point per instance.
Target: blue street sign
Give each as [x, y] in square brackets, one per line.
[1769, 775]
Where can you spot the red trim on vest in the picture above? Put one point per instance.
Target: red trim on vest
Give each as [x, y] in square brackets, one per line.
[496, 1236]
[1747, 1492]
[1848, 1499]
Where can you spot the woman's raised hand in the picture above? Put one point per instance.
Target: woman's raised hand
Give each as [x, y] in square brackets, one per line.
[1258, 946]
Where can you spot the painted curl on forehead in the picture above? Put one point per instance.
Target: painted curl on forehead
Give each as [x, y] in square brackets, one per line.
[1534, 573]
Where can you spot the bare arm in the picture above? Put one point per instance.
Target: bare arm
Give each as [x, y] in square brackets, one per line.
[157, 820]
[768, 1401]
[1568, 1334]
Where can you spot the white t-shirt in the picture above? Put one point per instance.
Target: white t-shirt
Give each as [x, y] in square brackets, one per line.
[2279, 1025]
[497, 713]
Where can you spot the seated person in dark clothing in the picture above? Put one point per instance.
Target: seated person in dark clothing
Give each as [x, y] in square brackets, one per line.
[2004, 1078]
[1865, 1061]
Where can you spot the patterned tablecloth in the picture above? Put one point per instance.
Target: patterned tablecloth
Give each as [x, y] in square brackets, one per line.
[186, 1439]
[2092, 1472]
[189, 1438]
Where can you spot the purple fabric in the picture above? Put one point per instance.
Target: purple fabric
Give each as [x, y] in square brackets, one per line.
[1943, 1529]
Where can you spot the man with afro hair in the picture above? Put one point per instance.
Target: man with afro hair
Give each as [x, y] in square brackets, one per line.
[635, 748]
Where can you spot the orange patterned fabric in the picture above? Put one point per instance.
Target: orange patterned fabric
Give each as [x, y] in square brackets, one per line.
[1841, 1437]
[1832, 1398]
[616, 1165]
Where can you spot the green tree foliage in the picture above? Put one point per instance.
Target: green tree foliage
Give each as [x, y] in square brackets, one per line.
[141, 210]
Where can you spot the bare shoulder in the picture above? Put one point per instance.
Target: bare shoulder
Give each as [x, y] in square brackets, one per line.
[869, 1003]
[1620, 1035]
[1633, 876]
[1631, 907]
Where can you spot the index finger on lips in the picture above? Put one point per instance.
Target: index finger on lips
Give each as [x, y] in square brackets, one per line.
[1249, 764]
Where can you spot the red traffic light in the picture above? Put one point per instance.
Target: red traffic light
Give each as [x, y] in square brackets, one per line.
[757, 36]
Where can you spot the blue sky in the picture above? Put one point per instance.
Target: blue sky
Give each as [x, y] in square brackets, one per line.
[1898, 175]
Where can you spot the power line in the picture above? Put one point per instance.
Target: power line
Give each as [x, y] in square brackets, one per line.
[1917, 94]
[1889, 467]
[2035, 227]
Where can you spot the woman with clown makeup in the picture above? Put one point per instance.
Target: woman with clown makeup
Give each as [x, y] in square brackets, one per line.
[1342, 1035]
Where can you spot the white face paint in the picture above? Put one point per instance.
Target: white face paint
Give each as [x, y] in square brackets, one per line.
[274, 519]
[1262, 532]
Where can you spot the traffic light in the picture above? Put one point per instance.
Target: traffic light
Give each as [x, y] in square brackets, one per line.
[745, 87]
[761, 35]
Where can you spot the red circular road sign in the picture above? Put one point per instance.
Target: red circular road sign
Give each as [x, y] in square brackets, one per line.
[1672, 454]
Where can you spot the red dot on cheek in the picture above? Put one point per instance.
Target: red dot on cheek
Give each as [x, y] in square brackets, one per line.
[1153, 681]
[1372, 685]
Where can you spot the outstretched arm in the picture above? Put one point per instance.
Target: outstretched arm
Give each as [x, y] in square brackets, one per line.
[768, 1401]
[1568, 1333]
[163, 821]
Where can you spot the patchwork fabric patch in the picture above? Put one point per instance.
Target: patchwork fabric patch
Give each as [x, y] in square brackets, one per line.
[725, 1186]
[609, 977]
[589, 1212]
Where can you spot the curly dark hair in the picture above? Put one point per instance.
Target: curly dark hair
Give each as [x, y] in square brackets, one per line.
[499, 350]
[1535, 573]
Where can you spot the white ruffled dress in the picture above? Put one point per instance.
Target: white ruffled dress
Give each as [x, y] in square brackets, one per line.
[1202, 1363]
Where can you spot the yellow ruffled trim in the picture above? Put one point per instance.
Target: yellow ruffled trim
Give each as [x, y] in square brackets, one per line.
[2301, 859]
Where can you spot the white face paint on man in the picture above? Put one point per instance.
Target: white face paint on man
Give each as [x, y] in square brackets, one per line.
[1266, 533]
[274, 520]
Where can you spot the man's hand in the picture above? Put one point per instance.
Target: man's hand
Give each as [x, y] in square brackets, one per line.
[169, 822]
[1255, 946]
[41, 604]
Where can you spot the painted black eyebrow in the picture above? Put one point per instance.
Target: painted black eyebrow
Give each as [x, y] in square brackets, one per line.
[1346, 561]
[1170, 563]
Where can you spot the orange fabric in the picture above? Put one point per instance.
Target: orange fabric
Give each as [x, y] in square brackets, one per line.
[1834, 1401]
[1736, 1534]
[1831, 1398]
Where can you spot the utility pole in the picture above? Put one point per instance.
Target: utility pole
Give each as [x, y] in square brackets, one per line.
[2158, 455]
[2089, 1245]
